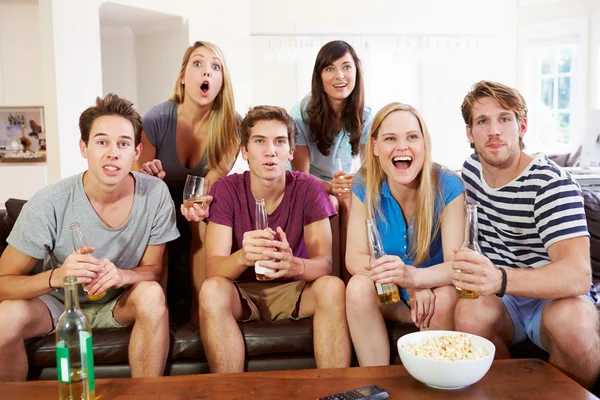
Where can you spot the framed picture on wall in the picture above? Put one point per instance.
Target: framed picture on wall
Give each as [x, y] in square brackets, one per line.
[22, 128]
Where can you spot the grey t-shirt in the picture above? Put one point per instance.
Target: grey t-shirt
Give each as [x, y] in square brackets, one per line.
[42, 229]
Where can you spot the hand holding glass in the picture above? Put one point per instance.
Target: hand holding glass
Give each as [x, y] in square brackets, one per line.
[195, 191]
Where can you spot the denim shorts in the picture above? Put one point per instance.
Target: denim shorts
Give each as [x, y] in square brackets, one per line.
[526, 316]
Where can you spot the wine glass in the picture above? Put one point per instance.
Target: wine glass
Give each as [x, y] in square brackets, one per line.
[195, 191]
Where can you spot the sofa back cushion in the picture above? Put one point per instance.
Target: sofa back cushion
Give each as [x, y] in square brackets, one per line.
[13, 208]
[591, 197]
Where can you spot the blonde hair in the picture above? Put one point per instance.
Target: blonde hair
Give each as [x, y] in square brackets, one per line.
[223, 138]
[428, 187]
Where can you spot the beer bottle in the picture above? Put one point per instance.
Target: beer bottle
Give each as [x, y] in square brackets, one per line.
[261, 223]
[74, 356]
[471, 243]
[387, 293]
[81, 247]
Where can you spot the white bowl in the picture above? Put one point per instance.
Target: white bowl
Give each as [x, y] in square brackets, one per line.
[446, 375]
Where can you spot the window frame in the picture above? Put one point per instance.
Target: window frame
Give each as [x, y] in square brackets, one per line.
[533, 37]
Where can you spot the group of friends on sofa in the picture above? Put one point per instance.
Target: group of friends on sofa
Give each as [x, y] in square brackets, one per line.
[532, 277]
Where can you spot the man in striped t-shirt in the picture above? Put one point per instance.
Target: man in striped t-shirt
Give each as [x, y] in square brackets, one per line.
[534, 278]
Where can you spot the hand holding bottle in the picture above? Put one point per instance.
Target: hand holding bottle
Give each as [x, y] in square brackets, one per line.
[475, 272]
[387, 293]
[391, 269]
[109, 277]
[281, 257]
[83, 266]
[254, 244]
[81, 248]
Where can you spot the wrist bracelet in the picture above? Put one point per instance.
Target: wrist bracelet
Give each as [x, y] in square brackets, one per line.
[304, 265]
[50, 279]
[503, 287]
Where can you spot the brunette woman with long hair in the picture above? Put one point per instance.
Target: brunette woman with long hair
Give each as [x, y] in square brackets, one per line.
[332, 124]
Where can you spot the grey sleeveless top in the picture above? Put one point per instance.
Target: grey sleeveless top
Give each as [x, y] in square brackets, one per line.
[160, 125]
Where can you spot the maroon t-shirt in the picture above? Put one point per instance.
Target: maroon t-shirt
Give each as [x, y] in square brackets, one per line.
[304, 202]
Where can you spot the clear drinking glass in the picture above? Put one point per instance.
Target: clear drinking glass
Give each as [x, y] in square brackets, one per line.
[195, 191]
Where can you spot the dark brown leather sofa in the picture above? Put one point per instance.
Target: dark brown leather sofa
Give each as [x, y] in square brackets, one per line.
[269, 345]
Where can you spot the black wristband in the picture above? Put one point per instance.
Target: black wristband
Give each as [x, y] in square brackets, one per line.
[50, 279]
[503, 288]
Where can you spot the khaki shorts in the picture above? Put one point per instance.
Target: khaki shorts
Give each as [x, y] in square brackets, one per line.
[99, 315]
[272, 301]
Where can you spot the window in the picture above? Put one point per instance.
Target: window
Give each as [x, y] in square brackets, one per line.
[555, 74]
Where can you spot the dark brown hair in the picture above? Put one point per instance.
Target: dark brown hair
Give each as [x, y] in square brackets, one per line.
[317, 110]
[267, 113]
[111, 104]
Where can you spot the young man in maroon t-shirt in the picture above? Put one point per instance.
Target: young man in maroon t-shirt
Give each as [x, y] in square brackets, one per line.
[298, 241]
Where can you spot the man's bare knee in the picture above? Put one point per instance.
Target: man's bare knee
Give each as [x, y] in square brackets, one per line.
[21, 314]
[149, 300]
[478, 316]
[215, 295]
[570, 324]
[329, 291]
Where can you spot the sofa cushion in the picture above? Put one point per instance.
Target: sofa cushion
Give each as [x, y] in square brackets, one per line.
[591, 197]
[13, 208]
[261, 338]
[110, 347]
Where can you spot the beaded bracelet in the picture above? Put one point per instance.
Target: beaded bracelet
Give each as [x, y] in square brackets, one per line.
[503, 287]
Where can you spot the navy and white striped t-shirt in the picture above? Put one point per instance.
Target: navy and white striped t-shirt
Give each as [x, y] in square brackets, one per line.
[520, 220]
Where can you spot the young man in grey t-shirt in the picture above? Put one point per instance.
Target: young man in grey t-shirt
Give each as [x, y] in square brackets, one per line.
[126, 217]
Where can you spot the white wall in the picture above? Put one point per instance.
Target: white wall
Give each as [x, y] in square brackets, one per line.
[442, 73]
[158, 56]
[73, 66]
[20, 85]
[119, 62]
[20, 61]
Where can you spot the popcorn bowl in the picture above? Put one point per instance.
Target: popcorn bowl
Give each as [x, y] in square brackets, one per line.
[445, 374]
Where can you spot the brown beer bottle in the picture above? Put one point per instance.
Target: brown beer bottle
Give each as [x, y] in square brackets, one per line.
[387, 293]
[471, 232]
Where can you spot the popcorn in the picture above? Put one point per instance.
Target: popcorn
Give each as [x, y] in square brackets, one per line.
[446, 348]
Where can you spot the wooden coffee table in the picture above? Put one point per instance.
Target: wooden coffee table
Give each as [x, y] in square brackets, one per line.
[507, 379]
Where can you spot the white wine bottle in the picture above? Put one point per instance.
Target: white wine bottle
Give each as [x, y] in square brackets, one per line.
[74, 355]
[387, 293]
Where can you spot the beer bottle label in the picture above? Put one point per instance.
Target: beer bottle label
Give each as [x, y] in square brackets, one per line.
[62, 363]
[379, 287]
[87, 356]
